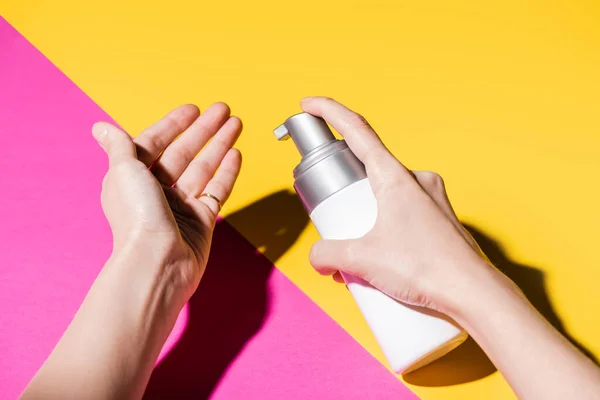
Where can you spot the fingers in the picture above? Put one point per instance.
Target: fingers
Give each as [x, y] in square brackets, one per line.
[357, 132]
[381, 165]
[331, 256]
[176, 157]
[117, 144]
[433, 184]
[222, 183]
[202, 168]
[155, 139]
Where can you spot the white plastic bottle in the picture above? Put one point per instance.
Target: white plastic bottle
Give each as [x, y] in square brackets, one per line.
[333, 186]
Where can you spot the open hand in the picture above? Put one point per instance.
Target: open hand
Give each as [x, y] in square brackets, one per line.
[151, 194]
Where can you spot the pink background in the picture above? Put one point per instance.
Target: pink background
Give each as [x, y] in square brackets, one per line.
[247, 333]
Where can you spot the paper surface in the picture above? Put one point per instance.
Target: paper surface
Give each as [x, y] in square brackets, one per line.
[247, 333]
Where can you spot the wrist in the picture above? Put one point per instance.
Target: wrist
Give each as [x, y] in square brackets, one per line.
[126, 317]
[482, 288]
[157, 276]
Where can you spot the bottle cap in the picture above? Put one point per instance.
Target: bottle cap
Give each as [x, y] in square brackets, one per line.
[327, 164]
[307, 132]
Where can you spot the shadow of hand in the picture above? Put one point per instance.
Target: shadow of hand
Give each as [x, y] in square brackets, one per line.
[531, 281]
[468, 362]
[232, 299]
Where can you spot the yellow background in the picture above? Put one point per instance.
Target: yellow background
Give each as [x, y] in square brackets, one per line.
[502, 99]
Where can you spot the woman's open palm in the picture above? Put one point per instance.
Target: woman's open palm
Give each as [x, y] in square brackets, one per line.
[151, 194]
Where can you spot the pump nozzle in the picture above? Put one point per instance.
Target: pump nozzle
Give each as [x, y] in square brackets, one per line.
[327, 164]
[307, 132]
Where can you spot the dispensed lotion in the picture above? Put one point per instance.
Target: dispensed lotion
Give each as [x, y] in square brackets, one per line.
[333, 186]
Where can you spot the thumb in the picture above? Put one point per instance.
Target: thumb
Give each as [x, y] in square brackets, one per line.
[117, 144]
[330, 256]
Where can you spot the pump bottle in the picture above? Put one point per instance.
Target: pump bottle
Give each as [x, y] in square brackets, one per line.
[333, 186]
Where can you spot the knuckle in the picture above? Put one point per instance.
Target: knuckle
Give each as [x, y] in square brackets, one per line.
[437, 179]
[379, 159]
[357, 121]
[175, 122]
[203, 167]
[220, 144]
[371, 157]
[182, 153]
[202, 127]
[438, 184]
[218, 189]
[431, 180]
[389, 172]
[155, 142]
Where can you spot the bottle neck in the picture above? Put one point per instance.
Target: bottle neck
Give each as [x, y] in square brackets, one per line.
[307, 132]
[326, 171]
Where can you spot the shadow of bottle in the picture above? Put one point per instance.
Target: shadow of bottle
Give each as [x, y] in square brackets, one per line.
[232, 299]
[468, 362]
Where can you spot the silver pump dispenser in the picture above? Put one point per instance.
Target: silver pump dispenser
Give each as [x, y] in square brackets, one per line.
[327, 164]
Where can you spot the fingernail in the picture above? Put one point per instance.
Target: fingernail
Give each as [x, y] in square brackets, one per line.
[304, 100]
